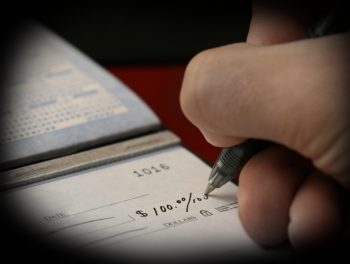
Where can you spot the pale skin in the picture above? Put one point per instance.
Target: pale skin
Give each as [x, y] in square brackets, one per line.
[293, 91]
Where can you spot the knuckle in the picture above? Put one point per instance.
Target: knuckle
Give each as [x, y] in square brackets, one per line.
[322, 135]
[193, 88]
[213, 88]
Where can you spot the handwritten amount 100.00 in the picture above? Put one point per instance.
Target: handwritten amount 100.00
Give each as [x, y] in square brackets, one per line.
[166, 208]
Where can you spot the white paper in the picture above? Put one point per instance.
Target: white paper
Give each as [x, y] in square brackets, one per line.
[113, 209]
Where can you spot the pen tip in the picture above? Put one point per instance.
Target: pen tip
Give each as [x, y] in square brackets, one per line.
[209, 189]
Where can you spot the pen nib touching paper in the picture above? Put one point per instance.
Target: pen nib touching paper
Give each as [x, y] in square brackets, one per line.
[209, 189]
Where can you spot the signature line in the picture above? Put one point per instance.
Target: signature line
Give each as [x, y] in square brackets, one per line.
[109, 204]
[66, 227]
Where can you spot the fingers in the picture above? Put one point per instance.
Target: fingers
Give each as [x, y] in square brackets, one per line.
[295, 94]
[267, 186]
[280, 199]
[276, 23]
[221, 140]
[317, 213]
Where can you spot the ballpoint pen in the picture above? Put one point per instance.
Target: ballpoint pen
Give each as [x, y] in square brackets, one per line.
[231, 160]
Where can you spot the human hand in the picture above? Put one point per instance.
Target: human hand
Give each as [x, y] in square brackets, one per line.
[295, 92]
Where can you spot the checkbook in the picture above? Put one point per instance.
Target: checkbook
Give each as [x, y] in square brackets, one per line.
[88, 167]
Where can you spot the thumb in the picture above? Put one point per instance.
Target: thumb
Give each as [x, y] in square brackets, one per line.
[294, 94]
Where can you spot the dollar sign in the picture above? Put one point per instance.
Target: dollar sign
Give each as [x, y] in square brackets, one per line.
[142, 214]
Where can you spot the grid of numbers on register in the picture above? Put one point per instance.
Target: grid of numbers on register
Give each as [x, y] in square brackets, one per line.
[59, 113]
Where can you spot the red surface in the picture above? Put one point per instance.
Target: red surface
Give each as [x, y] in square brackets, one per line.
[159, 87]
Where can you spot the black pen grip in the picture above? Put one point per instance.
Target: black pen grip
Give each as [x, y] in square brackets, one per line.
[231, 160]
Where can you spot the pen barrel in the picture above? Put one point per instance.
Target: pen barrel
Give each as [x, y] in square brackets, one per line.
[231, 160]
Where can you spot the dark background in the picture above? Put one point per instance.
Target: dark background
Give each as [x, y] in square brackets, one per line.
[138, 32]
